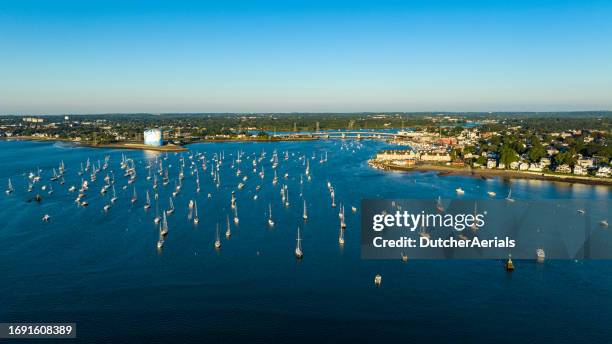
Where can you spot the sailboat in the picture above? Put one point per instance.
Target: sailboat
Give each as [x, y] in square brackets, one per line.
[228, 231]
[474, 227]
[423, 233]
[164, 226]
[9, 189]
[341, 236]
[236, 220]
[147, 204]
[509, 197]
[298, 247]
[541, 255]
[160, 241]
[134, 197]
[195, 217]
[171, 209]
[156, 218]
[439, 204]
[305, 215]
[114, 198]
[218, 240]
[270, 222]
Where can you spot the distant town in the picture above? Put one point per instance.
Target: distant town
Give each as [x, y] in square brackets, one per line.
[567, 144]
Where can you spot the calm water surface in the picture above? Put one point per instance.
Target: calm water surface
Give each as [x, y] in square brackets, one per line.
[102, 270]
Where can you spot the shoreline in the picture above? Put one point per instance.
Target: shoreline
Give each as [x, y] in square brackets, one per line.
[119, 145]
[484, 173]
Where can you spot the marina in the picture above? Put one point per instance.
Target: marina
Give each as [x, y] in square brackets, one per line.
[299, 237]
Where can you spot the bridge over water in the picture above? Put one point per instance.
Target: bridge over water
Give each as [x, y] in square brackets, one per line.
[342, 135]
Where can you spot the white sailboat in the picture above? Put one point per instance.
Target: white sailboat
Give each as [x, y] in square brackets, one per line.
[218, 239]
[509, 197]
[160, 241]
[164, 226]
[171, 208]
[156, 218]
[298, 247]
[195, 217]
[228, 231]
[341, 236]
[9, 189]
[305, 214]
[147, 204]
[270, 222]
[134, 197]
[236, 219]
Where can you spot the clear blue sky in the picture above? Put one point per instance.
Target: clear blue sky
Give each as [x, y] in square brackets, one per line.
[254, 56]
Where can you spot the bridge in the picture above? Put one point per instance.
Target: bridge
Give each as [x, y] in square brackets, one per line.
[359, 135]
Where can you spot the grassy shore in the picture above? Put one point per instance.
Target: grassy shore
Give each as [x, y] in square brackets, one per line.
[445, 170]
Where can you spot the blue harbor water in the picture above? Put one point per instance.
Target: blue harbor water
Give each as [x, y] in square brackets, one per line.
[102, 269]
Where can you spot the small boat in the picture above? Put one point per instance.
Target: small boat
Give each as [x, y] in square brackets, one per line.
[378, 280]
[581, 211]
[163, 228]
[195, 217]
[106, 207]
[190, 204]
[540, 255]
[404, 257]
[509, 197]
[147, 204]
[439, 205]
[46, 217]
[171, 209]
[160, 241]
[270, 222]
[218, 240]
[341, 236]
[305, 214]
[509, 265]
[460, 191]
[603, 223]
[9, 189]
[491, 194]
[228, 231]
[134, 197]
[353, 209]
[156, 219]
[298, 247]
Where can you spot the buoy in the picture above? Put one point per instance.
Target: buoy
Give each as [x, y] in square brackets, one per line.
[509, 264]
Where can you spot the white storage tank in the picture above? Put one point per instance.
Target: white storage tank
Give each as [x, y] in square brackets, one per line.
[153, 137]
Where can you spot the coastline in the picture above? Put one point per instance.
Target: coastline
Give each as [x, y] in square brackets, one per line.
[123, 145]
[484, 173]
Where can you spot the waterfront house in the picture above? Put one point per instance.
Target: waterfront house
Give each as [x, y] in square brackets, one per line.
[436, 157]
[514, 165]
[580, 171]
[565, 168]
[585, 162]
[604, 171]
[387, 155]
[535, 167]
[491, 163]
[501, 166]
[544, 162]
[523, 166]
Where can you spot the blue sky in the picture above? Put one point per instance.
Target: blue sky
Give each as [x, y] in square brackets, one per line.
[260, 56]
